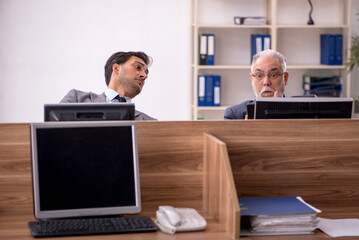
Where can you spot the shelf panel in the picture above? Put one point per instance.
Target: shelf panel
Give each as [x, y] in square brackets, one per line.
[231, 26]
[290, 26]
[319, 66]
[220, 108]
[222, 66]
[246, 67]
[304, 26]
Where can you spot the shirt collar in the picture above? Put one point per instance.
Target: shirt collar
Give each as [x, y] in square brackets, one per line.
[111, 94]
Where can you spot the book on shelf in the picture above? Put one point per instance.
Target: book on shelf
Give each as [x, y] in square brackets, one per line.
[259, 42]
[217, 90]
[277, 216]
[210, 49]
[250, 20]
[203, 49]
[206, 49]
[201, 90]
[323, 86]
[331, 49]
[209, 90]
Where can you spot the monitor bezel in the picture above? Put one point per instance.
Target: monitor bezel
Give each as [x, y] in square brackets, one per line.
[299, 100]
[102, 211]
[93, 107]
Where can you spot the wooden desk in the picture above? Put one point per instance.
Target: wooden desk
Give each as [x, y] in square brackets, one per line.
[316, 159]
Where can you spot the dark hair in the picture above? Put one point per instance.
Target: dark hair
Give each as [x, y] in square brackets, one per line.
[122, 57]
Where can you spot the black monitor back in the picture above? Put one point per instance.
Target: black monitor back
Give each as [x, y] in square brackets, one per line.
[302, 108]
[89, 111]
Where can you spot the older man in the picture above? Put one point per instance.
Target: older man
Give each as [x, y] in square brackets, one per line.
[269, 78]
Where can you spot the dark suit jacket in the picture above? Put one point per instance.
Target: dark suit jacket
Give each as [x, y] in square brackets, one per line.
[238, 111]
[76, 96]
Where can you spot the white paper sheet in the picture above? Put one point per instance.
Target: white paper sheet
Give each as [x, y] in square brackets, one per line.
[339, 227]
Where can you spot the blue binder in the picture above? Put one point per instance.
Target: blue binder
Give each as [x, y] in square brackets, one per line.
[266, 42]
[327, 49]
[201, 90]
[256, 44]
[209, 90]
[217, 91]
[259, 42]
[338, 49]
[210, 49]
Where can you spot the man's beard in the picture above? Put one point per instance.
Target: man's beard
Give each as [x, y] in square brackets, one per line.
[269, 89]
[130, 86]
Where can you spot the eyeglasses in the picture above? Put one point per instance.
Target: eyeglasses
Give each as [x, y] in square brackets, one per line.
[271, 75]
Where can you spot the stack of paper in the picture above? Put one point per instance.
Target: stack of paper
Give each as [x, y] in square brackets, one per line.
[250, 20]
[277, 216]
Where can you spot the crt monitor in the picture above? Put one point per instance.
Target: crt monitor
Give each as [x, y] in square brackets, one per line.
[302, 108]
[89, 111]
[85, 169]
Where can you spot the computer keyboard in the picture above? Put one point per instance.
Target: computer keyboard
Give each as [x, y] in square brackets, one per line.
[91, 226]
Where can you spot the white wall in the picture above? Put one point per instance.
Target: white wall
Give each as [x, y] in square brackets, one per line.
[48, 47]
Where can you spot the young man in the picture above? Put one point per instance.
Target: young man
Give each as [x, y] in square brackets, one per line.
[125, 75]
[269, 78]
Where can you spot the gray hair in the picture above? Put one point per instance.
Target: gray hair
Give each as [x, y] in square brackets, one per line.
[270, 53]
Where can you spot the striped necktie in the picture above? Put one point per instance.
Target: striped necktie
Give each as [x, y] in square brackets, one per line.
[120, 99]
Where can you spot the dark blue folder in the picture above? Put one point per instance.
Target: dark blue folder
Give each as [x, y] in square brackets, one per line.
[273, 206]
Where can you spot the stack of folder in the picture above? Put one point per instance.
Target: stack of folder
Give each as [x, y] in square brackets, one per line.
[322, 86]
[209, 90]
[206, 49]
[277, 216]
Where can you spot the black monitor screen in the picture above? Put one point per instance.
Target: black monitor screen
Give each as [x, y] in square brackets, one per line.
[89, 111]
[302, 108]
[85, 169]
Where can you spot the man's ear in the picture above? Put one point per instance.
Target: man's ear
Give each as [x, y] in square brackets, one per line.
[286, 76]
[116, 68]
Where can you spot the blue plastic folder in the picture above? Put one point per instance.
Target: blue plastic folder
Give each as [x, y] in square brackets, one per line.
[331, 49]
[210, 49]
[273, 206]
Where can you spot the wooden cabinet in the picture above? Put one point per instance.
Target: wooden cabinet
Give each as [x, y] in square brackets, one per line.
[290, 35]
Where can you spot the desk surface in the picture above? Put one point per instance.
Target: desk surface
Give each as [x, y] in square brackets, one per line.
[171, 162]
[15, 228]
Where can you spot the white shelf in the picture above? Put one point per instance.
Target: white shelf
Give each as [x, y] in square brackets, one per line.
[233, 67]
[322, 26]
[319, 66]
[246, 67]
[220, 108]
[234, 26]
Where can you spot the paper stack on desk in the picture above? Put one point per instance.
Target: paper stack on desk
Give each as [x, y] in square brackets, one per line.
[277, 216]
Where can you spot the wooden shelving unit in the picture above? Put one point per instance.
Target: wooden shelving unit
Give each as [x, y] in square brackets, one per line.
[296, 40]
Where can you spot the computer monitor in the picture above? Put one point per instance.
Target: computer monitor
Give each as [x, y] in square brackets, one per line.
[302, 108]
[89, 111]
[85, 169]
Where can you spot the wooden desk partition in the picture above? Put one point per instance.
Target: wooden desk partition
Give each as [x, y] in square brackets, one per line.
[182, 166]
[220, 198]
